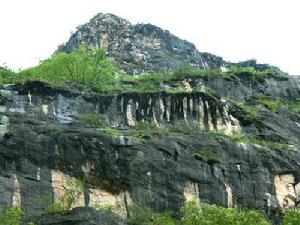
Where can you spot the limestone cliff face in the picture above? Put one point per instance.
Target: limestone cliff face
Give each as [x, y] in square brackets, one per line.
[44, 144]
[144, 47]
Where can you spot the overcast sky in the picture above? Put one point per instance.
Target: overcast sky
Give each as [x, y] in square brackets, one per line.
[268, 30]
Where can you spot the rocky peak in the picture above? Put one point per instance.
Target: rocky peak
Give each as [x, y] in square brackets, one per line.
[141, 47]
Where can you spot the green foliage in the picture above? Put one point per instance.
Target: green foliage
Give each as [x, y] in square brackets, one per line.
[11, 216]
[207, 155]
[291, 217]
[73, 190]
[293, 106]
[270, 104]
[251, 73]
[6, 75]
[144, 130]
[162, 219]
[191, 213]
[184, 128]
[107, 207]
[50, 206]
[56, 132]
[144, 216]
[140, 216]
[192, 72]
[85, 66]
[94, 119]
[212, 214]
[245, 112]
[112, 132]
[56, 207]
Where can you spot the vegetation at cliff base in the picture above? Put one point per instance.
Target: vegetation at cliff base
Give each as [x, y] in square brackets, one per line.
[204, 214]
[11, 216]
[193, 214]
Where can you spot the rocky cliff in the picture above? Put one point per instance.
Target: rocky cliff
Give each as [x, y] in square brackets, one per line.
[44, 143]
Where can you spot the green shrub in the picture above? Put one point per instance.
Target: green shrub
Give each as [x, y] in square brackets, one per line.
[107, 207]
[50, 206]
[11, 216]
[140, 216]
[270, 104]
[193, 72]
[192, 214]
[162, 219]
[291, 217]
[56, 132]
[112, 132]
[212, 214]
[144, 216]
[94, 119]
[184, 128]
[251, 72]
[207, 155]
[72, 191]
[56, 207]
[86, 66]
[293, 106]
[6, 75]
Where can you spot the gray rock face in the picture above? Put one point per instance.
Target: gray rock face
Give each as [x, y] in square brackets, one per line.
[141, 47]
[44, 145]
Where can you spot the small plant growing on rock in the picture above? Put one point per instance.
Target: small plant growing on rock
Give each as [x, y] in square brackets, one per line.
[50, 206]
[73, 191]
[106, 207]
[94, 120]
[207, 155]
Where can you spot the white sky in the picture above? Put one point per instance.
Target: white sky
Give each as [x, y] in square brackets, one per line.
[268, 30]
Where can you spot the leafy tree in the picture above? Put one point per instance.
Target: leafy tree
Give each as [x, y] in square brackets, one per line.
[85, 66]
